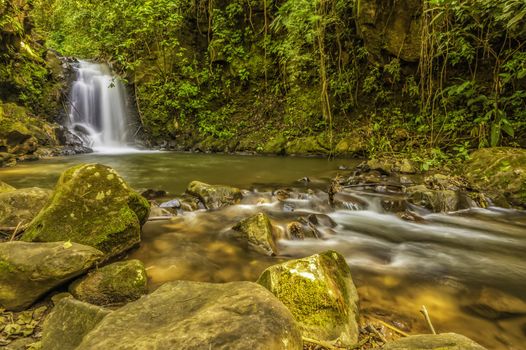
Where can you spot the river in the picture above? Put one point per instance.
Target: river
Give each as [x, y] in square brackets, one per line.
[462, 266]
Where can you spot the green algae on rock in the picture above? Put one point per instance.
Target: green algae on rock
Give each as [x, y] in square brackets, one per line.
[119, 282]
[444, 341]
[91, 205]
[214, 196]
[188, 315]
[258, 232]
[6, 187]
[29, 270]
[500, 172]
[320, 293]
[68, 323]
[22, 205]
[435, 200]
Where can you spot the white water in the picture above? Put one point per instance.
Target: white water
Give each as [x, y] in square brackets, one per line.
[98, 112]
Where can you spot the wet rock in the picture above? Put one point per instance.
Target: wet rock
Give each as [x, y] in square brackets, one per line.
[445, 182]
[386, 166]
[29, 270]
[494, 305]
[192, 315]
[351, 145]
[499, 172]
[91, 205]
[444, 341]
[157, 213]
[310, 145]
[5, 187]
[321, 220]
[119, 282]
[68, 323]
[7, 159]
[302, 229]
[257, 231]
[320, 293]
[153, 194]
[21, 206]
[214, 196]
[435, 200]
[174, 203]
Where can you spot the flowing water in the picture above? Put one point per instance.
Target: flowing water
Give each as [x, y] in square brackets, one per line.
[468, 268]
[98, 113]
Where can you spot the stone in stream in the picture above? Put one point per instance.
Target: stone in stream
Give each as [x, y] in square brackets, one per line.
[494, 305]
[29, 270]
[301, 229]
[21, 206]
[91, 205]
[257, 231]
[119, 282]
[499, 172]
[193, 315]
[214, 196]
[5, 187]
[68, 323]
[435, 200]
[320, 293]
[444, 341]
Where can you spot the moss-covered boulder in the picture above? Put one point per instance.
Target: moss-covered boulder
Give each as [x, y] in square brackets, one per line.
[21, 206]
[119, 282]
[91, 205]
[69, 322]
[192, 315]
[320, 293]
[29, 270]
[310, 145]
[499, 172]
[257, 231]
[214, 196]
[5, 187]
[444, 341]
[434, 200]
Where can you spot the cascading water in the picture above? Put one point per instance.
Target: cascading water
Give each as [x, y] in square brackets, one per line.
[98, 112]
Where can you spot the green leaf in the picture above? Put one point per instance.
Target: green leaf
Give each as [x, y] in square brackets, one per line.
[495, 134]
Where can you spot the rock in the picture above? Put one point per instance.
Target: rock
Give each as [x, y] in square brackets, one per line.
[119, 282]
[214, 196]
[387, 166]
[435, 200]
[91, 205]
[5, 187]
[392, 26]
[499, 172]
[174, 203]
[301, 230]
[258, 232]
[29, 270]
[21, 206]
[351, 145]
[444, 341]
[444, 182]
[494, 305]
[320, 293]
[192, 315]
[310, 145]
[7, 159]
[68, 323]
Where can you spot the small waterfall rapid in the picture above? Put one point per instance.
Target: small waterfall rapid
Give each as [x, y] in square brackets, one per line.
[98, 113]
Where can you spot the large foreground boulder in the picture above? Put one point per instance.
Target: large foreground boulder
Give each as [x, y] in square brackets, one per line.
[214, 196]
[115, 283]
[320, 293]
[91, 205]
[444, 341]
[29, 270]
[21, 206]
[69, 322]
[192, 315]
[499, 172]
[257, 231]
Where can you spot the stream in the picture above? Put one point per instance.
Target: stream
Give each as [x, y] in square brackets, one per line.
[468, 268]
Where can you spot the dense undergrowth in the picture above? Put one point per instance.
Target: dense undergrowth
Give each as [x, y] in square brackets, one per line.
[429, 78]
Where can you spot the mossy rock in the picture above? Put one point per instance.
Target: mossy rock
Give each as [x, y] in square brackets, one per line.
[435, 200]
[310, 145]
[188, 315]
[351, 145]
[22, 205]
[320, 293]
[29, 270]
[5, 188]
[68, 323]
[214, 196]
[499, 172]
[91, 205]
[7, 159]
[444, 341]
[119, 282]
[257, 231]
[275, 145]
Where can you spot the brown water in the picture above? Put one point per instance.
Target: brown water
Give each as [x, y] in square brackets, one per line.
[457, 265]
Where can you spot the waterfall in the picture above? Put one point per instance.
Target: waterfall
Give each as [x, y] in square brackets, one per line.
[98, 112]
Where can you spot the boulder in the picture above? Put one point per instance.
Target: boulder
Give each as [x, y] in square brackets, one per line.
[194, 315]
[301, 229]
[257, 231]
[320, 293]
[5, 187]
[391, 165]
[68, 323]
[29, 270]
[21, 206]
[444, 341]
[214, 196]
[119, 282]
[435, 200]
[91, 205]
[499, 172]
[494, 305]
